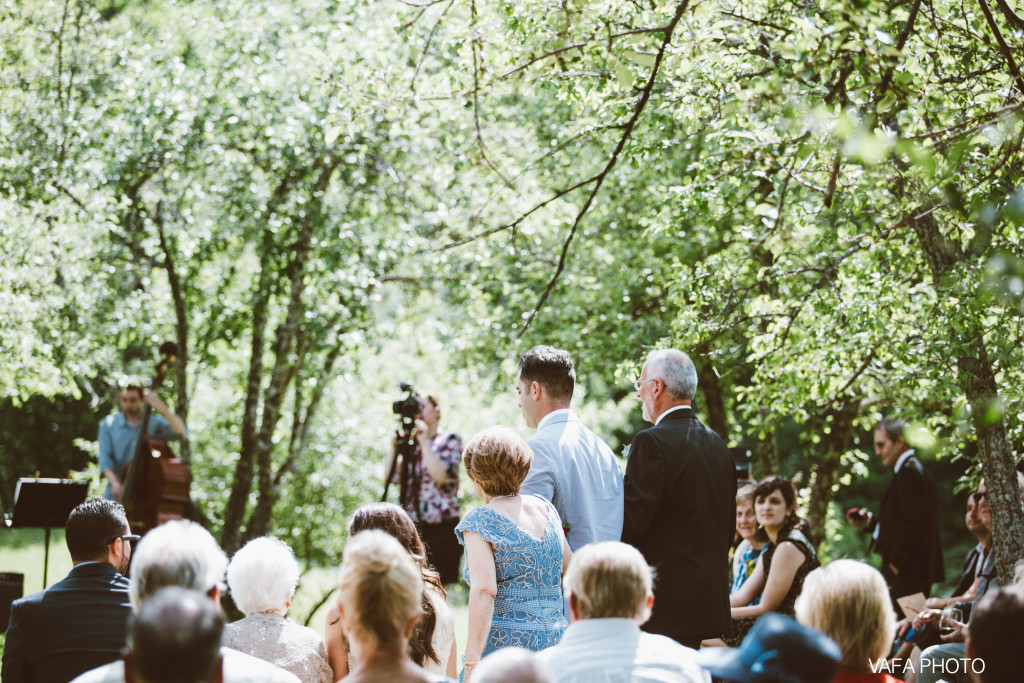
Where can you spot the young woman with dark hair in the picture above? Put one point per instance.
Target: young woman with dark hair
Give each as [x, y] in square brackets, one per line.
[781, 569]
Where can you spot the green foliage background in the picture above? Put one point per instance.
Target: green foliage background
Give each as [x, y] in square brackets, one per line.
[821, 201]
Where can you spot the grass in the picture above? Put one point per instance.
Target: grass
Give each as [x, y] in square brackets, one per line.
[23, 551]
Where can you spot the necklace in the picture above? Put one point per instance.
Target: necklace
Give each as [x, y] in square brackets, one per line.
[272, 612]
[507, 495]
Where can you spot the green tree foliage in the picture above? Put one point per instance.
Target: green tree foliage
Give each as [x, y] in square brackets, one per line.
[821, 201]
[818, 193]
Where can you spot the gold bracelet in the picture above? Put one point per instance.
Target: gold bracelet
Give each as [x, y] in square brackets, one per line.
[469, 665]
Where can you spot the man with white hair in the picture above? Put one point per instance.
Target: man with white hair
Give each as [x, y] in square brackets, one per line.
[184, 554]
[680, 503]
[609, 588]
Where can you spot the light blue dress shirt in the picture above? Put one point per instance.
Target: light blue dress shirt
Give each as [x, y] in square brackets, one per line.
[577, 472]
[117, 441]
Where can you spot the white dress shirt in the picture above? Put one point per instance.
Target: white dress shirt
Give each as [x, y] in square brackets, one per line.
[617, 651]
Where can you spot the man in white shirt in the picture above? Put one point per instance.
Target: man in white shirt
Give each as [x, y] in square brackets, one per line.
[572, 468]
[610, 595]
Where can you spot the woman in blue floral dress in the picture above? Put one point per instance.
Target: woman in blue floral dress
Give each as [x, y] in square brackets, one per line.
[516, 553]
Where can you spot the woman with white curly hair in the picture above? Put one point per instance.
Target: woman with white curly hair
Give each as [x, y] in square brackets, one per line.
[262, 578]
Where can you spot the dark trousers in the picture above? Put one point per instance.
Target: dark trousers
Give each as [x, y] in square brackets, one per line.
[443, 548]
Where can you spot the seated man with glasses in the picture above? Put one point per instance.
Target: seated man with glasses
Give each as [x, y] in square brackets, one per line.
[80, 622]
[931, 655]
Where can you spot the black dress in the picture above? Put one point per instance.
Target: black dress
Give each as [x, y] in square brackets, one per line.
[795, 537]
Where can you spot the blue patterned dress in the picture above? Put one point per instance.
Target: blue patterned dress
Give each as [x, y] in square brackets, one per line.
[528, 605]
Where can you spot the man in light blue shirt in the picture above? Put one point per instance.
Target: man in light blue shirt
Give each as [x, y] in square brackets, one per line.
[572, 467]
[119, 432]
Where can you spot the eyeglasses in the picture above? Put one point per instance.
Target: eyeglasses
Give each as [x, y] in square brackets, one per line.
[127, 538]
[637, 383]
[978, 496]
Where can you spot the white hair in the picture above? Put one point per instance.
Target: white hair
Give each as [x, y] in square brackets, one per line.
[178, 553]
[512, 664]
[263, 575]
[675, 369]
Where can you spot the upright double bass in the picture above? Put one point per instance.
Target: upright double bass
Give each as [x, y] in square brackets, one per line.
[156, 482]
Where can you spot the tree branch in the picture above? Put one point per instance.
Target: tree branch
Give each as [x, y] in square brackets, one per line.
[626, 134]
[516, 222]
[1003, 47]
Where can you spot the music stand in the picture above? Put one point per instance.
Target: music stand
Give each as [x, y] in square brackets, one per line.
[46, 503]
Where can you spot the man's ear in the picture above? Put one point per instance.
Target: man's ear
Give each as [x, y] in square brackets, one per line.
[536, 389]
[574, 608]
[214, 594]
[648, 606]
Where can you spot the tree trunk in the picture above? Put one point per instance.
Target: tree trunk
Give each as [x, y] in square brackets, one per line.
[241, 484]
[767, 453]
[286, 363]
[997, 461]
[181, 333]
[977, 379]
[838, 424]
[714, 401]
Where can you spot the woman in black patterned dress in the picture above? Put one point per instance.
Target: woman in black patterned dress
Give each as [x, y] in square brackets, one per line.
[781, 569]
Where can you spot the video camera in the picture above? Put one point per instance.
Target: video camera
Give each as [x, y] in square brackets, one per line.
[407, 408]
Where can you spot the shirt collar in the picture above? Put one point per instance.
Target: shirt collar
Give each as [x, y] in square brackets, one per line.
[588, 629]
[672, 410]
[550, 417]
[903, 459]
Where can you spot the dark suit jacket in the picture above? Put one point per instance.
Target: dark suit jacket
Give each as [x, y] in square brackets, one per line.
[909, 533]
[77, 624]
[680, 512]
[969, 573]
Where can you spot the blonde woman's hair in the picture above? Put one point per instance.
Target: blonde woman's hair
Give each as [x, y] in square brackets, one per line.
[849, 602]
[609, 579]
[380, 587]
[498, 460]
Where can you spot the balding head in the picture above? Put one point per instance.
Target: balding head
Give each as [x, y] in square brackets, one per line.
[511, 665]
[175, 637]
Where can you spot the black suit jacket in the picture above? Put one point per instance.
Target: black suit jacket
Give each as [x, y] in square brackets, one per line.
[969, 573]
[680, 512]
[909, 534]
[77, 624]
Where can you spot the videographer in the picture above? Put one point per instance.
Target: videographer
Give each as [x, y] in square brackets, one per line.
[430, 492]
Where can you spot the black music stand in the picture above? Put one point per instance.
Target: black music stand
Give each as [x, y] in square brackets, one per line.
[46, 503]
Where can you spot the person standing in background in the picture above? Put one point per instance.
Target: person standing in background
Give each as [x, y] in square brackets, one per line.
[119, 432]
[432, 496]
